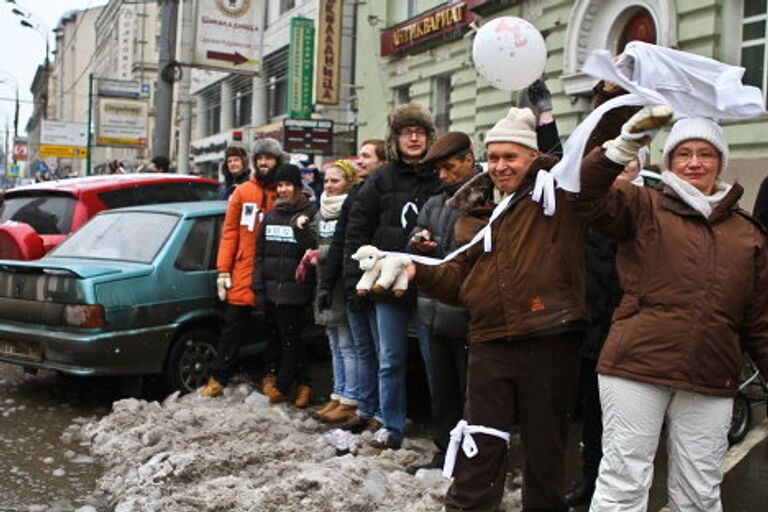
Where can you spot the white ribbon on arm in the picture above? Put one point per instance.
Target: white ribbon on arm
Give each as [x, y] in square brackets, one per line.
[462, 435]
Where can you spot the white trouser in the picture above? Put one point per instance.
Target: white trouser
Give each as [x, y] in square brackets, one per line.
[697, 440]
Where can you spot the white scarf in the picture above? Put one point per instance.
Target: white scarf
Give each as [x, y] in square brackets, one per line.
[330, 206]
[694, 86]
[692, 196]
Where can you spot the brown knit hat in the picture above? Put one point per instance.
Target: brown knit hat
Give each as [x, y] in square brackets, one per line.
[409, 114]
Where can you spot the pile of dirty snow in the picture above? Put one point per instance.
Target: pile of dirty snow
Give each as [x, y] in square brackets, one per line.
[238, 452]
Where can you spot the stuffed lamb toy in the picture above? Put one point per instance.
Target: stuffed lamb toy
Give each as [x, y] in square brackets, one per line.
[381, 271]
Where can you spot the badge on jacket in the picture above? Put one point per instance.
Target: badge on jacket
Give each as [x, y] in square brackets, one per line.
[248, 215]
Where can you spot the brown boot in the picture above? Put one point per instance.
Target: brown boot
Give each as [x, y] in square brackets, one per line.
[328, 407]
[269, 381]
[212, 388]
[344, 412]
[303, 394]
[275, 395]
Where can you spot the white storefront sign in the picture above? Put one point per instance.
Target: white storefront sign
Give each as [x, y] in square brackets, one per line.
[228, 35]
[63, 133]
[121, 122]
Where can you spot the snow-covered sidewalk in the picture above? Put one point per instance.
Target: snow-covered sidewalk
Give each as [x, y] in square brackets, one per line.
[236, 452]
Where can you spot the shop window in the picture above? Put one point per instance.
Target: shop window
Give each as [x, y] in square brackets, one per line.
[211, 114]
[754, 41]
[441, 101]
[242, 96]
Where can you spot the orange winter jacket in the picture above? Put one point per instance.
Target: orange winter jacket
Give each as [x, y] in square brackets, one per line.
[237, 247]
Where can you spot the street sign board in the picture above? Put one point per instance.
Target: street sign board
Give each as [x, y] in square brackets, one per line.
[121, 88]
[55, 151]
[63, 133]
[327, 83]
[308, 135]
[121, 122]
[228, 35]
[300, 56]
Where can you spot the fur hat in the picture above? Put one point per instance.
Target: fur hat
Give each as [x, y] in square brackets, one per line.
[447, 145]
[289, 173]
[519, 126]
[408, 114]
[269, 146]
[696, 128]
[234, 151]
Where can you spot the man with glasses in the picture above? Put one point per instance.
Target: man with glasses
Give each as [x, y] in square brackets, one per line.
[384, 214]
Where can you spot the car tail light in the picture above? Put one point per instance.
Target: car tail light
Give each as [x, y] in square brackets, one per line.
[84, 315]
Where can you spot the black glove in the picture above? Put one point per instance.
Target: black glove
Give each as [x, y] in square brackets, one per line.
[324, 299]
[539, 97]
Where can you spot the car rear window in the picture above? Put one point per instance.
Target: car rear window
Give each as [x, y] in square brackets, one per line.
[125, 236]
[47, 214]
[157, 193]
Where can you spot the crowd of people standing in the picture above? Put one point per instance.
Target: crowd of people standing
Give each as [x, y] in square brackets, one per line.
[651, 294]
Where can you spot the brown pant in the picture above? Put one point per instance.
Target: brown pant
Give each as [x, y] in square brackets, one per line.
[533, 380]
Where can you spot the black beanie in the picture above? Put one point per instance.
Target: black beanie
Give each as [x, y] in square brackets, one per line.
[289, 173]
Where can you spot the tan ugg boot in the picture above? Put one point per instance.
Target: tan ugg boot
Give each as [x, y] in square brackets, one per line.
[212, 388]
[275, 395]
[344, 412]
[328, 407]
[269, 381]
[303, 395]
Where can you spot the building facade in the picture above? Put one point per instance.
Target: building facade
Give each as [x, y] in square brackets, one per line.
[420, 50]
[238, 108]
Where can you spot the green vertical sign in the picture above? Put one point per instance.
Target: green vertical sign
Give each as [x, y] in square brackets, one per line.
[300, 58]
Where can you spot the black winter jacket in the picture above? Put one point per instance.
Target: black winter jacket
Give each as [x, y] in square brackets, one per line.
[385, 210]
[437, 218]
[279, 250]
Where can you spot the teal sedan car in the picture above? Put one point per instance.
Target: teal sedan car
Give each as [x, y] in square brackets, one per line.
[131, 293]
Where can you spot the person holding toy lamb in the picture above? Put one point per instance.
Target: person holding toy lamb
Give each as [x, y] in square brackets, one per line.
[523, 286]
[383, 214]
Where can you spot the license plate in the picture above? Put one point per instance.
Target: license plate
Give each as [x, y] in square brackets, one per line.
[21, 349]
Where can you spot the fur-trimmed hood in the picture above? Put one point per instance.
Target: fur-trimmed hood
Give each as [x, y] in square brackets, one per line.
[406, 115]
[479, 190]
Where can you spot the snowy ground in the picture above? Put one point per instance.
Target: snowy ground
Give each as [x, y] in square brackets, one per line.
[236, 452]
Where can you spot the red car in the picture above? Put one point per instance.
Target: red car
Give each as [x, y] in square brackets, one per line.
[36, 218]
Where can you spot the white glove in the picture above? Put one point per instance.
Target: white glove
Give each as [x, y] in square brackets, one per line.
[223, 283]
[637, 132]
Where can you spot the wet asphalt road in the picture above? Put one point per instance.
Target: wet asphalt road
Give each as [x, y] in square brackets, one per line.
[39, 472]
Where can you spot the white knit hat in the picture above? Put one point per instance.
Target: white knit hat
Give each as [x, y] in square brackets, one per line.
[696, 128]
[519, 126]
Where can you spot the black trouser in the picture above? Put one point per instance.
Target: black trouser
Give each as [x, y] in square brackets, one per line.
[293, 360]
[232, 335]
[535, 379]
[449, 374]
[272, 351]
[592, 434]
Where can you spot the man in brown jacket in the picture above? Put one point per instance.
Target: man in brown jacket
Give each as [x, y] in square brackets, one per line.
[523, 285]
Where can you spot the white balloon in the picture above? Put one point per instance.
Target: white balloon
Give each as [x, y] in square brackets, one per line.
[509, 52]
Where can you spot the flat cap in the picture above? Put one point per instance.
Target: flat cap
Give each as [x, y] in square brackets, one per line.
[446, 146]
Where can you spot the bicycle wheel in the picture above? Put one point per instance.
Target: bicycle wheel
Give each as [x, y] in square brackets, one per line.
[740, 421]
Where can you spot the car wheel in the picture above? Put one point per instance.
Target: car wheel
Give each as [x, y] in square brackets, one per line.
[191, 359]
[740, 421]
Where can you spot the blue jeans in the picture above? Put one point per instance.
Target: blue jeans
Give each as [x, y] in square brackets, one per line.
[392, 320]
[362, 325]
[345, 364]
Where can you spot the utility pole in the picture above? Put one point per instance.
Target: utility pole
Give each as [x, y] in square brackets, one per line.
[184, 108]
[161, 139]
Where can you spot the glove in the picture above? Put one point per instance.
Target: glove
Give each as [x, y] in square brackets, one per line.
[637, 132]
[539, 97]
[223, 283]
[324, 299]
[308, 260]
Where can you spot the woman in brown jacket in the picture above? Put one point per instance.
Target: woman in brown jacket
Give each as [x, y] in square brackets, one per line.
[693, 268]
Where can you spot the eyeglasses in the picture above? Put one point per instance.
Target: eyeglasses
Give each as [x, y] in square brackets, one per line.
[410, 132]
[703, 156]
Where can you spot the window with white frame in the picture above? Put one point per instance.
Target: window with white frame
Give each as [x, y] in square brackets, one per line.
[441, 101]
[754, 43]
